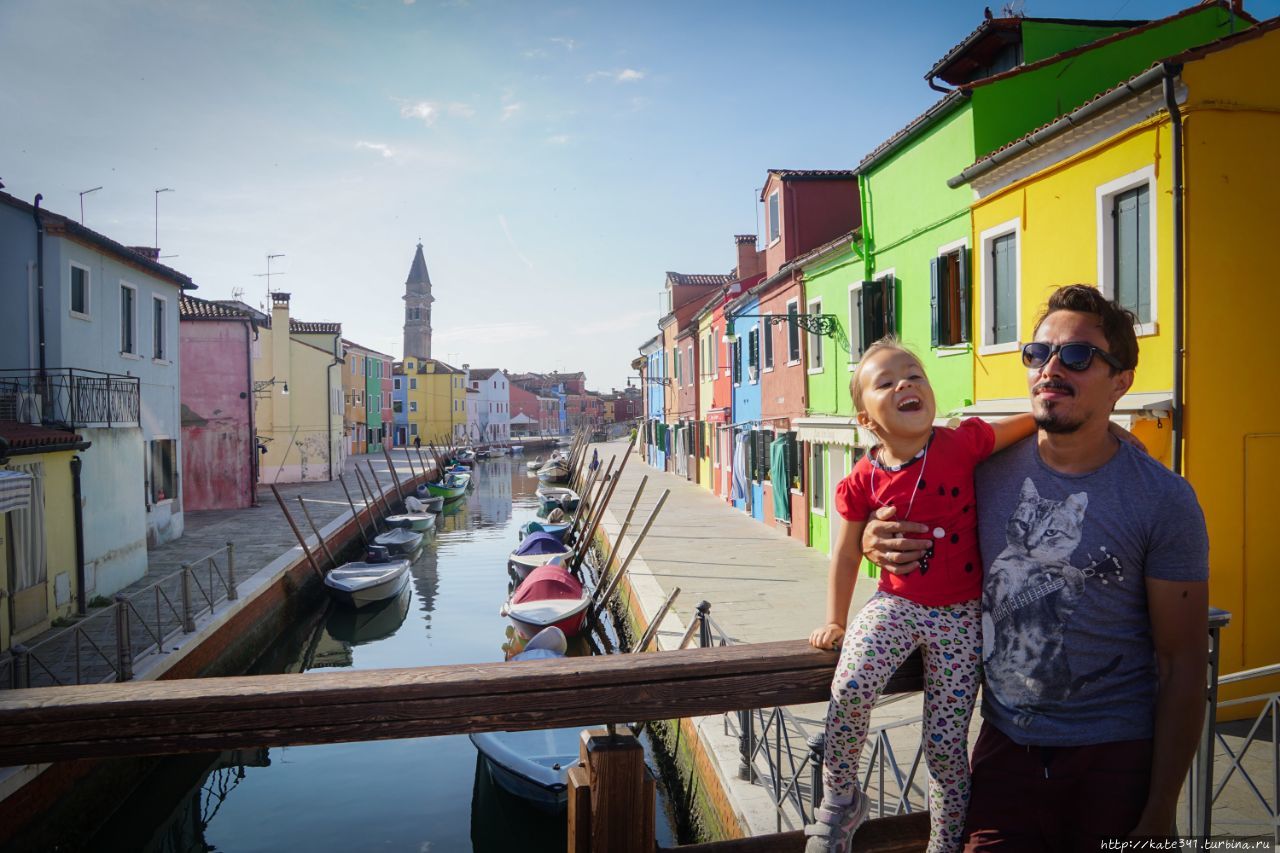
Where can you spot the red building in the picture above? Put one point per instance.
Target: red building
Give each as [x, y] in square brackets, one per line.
[804, 209]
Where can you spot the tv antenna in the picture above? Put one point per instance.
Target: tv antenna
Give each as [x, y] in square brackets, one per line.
[1013, 9]
[237, 293]
[268, 273]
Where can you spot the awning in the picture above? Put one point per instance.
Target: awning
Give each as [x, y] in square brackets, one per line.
[15, 490]
[717, 416]
[832, 431]
[1129, 409]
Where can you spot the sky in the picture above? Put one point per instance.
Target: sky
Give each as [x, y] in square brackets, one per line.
[555, 159]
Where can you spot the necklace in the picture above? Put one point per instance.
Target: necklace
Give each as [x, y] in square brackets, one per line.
[923, 456]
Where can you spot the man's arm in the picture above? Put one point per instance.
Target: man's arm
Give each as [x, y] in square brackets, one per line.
[1179, 613]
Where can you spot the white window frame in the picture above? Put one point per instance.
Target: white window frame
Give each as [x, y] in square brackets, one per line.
[799, 355]
[774, 216]
[395, 383]
[947, 350]
[813, 308]
[413, 406]
[693, 367]
[715, 351]
[1105, 195]
[986, 300]
[87, 314]
[163, 331]
[131, 354]
[818, 497]
[413, 383]
[855, 322]
[753, 380]
[766, 344]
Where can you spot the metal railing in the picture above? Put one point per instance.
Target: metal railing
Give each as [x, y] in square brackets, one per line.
[69, 397]
[104, 646]
[1242, 761]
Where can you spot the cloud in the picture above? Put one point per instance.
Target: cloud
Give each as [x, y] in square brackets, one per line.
[502, 220]
[510, 110]
[564, 41]
[535, 53]
[626, 75]
[384, 150]
[428, 112]
[558, 139]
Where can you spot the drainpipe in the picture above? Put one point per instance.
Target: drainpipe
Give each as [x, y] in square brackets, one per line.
[1171, 72]
[251, 334]
[328, 436]
[35, 213]
[81, 606]
[935, 87]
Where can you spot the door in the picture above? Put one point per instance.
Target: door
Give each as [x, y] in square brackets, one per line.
[835, 465]
[29, 604]
[1261, 553]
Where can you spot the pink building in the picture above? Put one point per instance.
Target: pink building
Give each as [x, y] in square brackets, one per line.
[219, 453]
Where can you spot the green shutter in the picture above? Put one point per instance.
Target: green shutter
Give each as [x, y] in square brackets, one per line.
[935, 303]
[890, 304]
[963, 286]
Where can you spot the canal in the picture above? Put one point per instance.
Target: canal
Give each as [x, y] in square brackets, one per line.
[423, 794]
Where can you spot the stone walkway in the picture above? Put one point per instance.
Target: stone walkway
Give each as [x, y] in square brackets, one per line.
[764, 586]
[86, 652]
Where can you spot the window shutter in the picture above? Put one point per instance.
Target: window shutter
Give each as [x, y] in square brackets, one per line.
[789, 450]
[866, 323]
[935, 307]
[751, 454]
[963, 286]
[890, 304]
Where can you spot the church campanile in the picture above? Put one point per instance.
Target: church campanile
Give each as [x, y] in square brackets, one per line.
[417, 309]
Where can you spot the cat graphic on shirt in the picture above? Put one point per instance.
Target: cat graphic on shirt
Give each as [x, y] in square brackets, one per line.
[1029, 595]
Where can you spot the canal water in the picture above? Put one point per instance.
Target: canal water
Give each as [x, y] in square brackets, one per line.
[423, 794]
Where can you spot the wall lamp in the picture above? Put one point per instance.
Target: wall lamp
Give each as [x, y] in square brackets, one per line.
[646, 380]
[826, 325]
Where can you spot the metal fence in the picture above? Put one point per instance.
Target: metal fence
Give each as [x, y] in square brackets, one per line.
[1254, 759]
[104, 646]
[69, 397]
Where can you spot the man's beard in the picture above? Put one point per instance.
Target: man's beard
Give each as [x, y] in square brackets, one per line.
[1055, 423]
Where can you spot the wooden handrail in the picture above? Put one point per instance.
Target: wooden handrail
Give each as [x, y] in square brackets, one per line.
[212, 714]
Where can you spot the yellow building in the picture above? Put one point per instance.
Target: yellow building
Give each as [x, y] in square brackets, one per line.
[435, 401]
[298, 384]
[39, 576]
[1092, 198]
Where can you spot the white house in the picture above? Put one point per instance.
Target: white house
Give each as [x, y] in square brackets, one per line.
[89, 342]
[492, 403]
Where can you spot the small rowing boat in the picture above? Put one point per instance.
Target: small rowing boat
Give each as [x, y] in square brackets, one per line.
[536, 549]
[558, 497]
[364, 582]
[419, 521]
[548, 596]
[399, 540]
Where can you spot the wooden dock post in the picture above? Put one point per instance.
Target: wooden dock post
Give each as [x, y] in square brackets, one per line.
[395, 478]
[618, 796]
[355, 516]
[324, 546]
[296, 532]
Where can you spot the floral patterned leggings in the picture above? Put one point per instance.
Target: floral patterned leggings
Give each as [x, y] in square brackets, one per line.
[881, 637]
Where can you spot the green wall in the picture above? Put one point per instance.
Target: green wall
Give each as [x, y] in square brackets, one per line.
[828, 391]
[1043, 39]
[1011, 107]
[372, 413]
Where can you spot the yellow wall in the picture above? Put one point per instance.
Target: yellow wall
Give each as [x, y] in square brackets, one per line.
[1058, 242]
[60, 541]
[441, 400]
[1233, 418]
[303, 430]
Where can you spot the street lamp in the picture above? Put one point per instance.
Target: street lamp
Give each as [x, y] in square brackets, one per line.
[161, 190]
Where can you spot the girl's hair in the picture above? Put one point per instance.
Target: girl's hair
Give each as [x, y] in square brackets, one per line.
[888, 342]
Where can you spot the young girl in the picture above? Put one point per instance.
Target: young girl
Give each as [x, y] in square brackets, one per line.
[926, 474]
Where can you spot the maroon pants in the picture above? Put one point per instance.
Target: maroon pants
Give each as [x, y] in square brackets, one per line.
[1064, 798]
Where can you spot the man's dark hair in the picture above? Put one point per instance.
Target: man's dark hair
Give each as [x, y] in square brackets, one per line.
[1117, 321]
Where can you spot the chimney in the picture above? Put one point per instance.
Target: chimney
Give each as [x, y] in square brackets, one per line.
[282, 410]
[748, 258]
[151, 253]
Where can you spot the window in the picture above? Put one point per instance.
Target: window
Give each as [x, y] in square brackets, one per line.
[753, 354]
[413, 383]
[815, 339]
[158, 332]
[353, 366]
[397, 407]
[817, 485]
[949, 296]
[413, 429]
[1000, 288]
[675, 364]
[775, 226]
[164, 470]
[395, 384]
[855, 322]
[128, 319]
[735, 360]
[1126, 250]
[689, 354]
[768, 342]
[413, 405]
[793, 333]
[877, 300]
[79, 290]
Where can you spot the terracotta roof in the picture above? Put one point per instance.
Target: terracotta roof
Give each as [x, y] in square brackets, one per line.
[822, 250]
[678, 278]
[484, 372]
[939, 107]
[298, 327]
[192, 308]
[363, 349]
[814, 174]
[20, 436]
[55, 223]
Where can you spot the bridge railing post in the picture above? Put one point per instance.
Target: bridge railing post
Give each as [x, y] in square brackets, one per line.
[232, 592]
[21, 673]
[612, 798]
[188, 617]
[124, 647]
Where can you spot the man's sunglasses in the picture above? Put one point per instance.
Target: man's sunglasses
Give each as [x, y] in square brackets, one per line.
[1074, 356]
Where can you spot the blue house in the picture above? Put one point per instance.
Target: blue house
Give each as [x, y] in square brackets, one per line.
[655, 370]
[744, 360]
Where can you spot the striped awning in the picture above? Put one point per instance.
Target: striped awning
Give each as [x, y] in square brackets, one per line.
[15, 490]
[832, 431]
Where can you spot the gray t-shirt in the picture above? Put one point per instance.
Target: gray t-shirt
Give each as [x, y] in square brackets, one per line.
[1067, 652]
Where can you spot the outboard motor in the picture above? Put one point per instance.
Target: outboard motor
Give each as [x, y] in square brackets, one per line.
[377, 554]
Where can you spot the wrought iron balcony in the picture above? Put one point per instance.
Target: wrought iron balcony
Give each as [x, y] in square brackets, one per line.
[69, 398]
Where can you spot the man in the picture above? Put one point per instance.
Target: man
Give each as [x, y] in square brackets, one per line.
[1095, 603]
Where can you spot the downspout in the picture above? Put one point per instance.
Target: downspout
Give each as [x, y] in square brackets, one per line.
[1171, 71]
[868, 234]
[81, 605]
[35, 213]
[328, 436]
[250, 334]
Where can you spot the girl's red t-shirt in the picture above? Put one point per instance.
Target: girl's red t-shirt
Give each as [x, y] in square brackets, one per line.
[942, 482]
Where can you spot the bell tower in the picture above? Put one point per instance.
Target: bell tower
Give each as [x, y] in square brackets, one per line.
[417, 308]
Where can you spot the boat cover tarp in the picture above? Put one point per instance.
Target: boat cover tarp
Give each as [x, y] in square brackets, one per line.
[540, 543]
[548, 583]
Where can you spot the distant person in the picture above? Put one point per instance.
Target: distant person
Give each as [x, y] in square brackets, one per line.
[926, 472]
[417, 442]
[1094, 604]
[595, 460]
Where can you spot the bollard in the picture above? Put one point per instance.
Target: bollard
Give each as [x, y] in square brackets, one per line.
[612, 798]
[21, 674]
[817, 746]
[124, 648]
[232, 592]
[188, 618]
[704, 624]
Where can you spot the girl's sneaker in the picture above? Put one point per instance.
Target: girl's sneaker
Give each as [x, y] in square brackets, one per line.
[834, 825]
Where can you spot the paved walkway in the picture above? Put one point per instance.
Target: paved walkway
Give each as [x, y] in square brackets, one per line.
[86, 651]
[764, 586]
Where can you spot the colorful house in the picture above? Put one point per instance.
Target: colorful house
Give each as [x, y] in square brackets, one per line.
[746, 488]
[1146, 203]
[41, 578]
[435, 401]
[653, 378]
[297, 374]
[219, 447]
[354, 389]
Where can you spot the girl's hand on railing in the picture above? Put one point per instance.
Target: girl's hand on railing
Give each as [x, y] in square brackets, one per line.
[828, 637]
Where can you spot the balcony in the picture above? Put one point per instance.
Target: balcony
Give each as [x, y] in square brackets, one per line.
[69, 398]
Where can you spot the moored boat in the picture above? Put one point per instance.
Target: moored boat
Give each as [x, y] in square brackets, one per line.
[558, 497]
[453, 486]
[548, 596]
[554, 471]
[399, 540]
[536, 549]
[430, 503]
[419, 521]
[362, 583]
[557, 529]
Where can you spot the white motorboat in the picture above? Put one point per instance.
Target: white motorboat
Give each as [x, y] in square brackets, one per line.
[360, 583]
[399, 540]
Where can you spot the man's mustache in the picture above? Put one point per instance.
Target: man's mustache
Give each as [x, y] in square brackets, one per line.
[1052, 385]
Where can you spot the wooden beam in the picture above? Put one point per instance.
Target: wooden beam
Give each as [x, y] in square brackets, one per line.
[212, 714]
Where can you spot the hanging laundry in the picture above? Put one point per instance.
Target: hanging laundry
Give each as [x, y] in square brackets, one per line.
[778, 475]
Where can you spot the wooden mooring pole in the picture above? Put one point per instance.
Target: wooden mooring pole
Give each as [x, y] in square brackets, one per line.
[395, 478]
[373, 477]
[368, 498]
[355, 516]
[612, 798]
[296, 532]
[316, 530]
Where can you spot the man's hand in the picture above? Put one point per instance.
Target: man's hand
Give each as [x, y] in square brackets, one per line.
[885, 542]
[827, 637]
